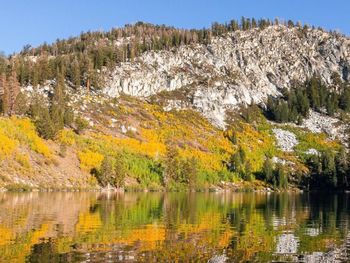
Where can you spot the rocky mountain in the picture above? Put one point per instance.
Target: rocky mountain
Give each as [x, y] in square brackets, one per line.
[241, 67]
[175, 109]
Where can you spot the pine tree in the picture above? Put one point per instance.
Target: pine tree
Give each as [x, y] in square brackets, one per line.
[313, 93]
[172, 165]
[290, 24]
[58, 104]
[282, 177]
[89, 74]
[119, 172]
[248, 173]
[268, 170]
[75, 72]
[344, 102]
[342, 165]
[254, 23]
[283, 112]
[303, 104]
[42, 119]
[329, 168]
[112, 172]
[331, 104]
[106, 172]
[189, 171]
[234, 25]
[270, 107]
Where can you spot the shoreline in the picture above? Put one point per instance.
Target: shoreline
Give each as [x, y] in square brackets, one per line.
[241, 187]
[121, 191]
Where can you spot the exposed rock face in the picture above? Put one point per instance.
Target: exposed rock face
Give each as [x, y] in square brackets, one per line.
[240, 67]
[318, 123]
[286, 140]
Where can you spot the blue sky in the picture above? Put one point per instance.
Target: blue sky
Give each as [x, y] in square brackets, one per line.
[35, 21]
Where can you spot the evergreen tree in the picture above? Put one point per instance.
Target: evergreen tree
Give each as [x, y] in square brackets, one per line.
[112, 172]
[268, 170]
[329, 168]
[303, 104]
[119, 172]
[282, 177]
[237, 161]
[58, 104]
[344, 101]
[190, 171]
[42, 119]
[106, 174]
[342, 167]
[254, 23]
[283, 112]
[331, 104]
[313, 93]
[248, 173]
[290, 24]
[172, 164]
[75, 73]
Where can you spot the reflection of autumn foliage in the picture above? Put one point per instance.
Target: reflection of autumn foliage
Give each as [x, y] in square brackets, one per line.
[6, 235]
[149, 236]
[17, 252]
[88, 222]
[157, 227]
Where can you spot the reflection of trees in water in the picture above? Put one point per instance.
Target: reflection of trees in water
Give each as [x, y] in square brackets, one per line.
[172, 225]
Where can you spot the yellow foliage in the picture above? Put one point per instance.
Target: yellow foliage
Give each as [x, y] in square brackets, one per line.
[152, 149]
[150, 234]
[23, 132]
[39, 146]
[90, 160]
[207, 160]
[195, 136]
[256, 144]
[6, 235]
[88, 222]
[66, 137]
[7, 146]
[23, 159]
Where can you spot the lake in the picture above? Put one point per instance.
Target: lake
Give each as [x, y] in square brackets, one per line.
[174, 227]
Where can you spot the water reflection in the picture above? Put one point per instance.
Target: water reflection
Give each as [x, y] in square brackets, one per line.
[156, 227]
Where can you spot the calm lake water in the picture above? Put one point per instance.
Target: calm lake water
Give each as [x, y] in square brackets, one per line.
[174, 227]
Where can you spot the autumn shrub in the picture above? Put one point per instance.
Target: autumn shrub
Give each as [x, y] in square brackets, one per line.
[90, 160]
[7, 146]
[66, 137]
[23, 131]
[80, 124]
[23, 160]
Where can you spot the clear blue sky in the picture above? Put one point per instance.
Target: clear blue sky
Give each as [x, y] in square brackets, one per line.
[35, 21]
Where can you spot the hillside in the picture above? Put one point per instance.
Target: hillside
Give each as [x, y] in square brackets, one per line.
[253, 105]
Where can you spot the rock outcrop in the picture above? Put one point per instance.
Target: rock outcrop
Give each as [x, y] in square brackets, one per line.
[242, 67]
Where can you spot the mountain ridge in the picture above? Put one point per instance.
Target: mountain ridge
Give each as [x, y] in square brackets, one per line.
[243, 77]
[237, 106]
